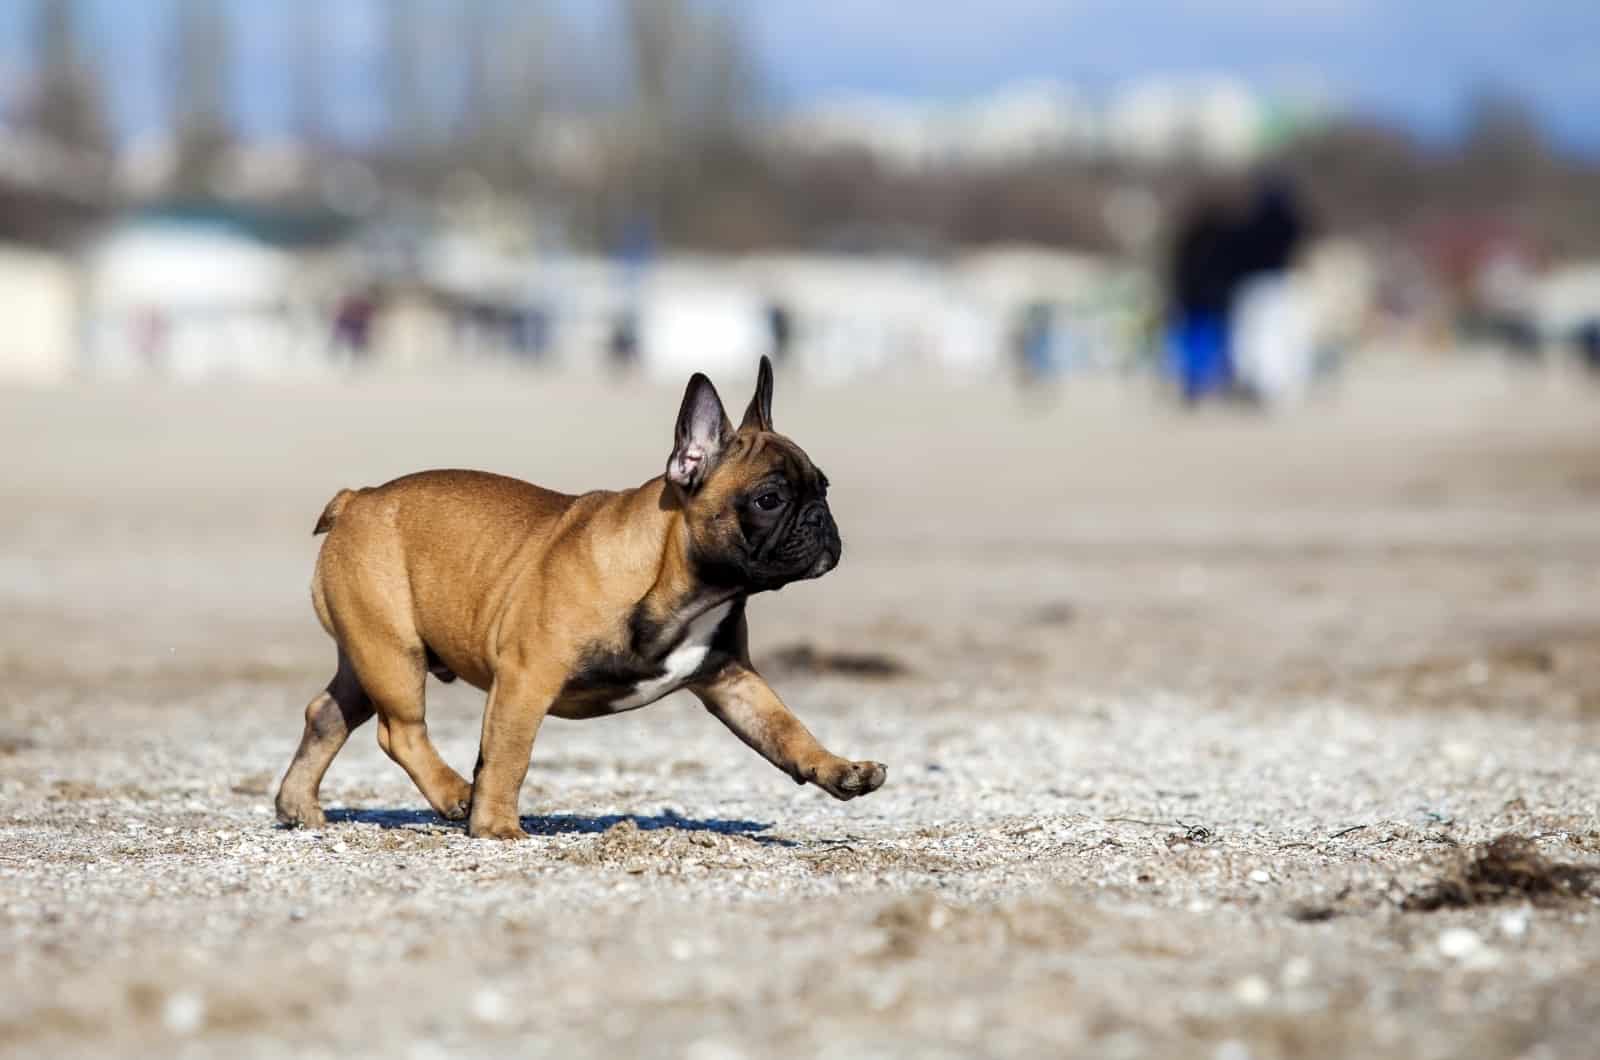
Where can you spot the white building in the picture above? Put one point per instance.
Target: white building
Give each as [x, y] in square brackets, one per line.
[1566, 300]
[1038, 119]
[1030, 120]
[39, 303]
[191, 300]
[896, 132]
[1214, 119]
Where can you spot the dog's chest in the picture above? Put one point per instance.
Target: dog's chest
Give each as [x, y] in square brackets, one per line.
[681, 663]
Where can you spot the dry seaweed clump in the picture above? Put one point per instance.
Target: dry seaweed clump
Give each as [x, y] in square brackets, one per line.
[1509, 867]
[807, 659]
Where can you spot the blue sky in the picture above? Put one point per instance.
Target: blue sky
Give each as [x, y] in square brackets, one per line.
[1412, 60]
[1409, 59]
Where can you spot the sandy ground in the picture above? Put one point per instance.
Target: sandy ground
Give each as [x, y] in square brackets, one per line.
[1179, 711]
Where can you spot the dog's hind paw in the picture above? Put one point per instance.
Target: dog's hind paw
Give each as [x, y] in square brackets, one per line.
[511, 829]
[300, 815]
[455, 800]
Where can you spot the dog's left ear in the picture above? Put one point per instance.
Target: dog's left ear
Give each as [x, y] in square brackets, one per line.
[758, 417]
[703, 429]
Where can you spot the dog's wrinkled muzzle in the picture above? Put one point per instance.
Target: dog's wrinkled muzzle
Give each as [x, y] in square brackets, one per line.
[825, 563]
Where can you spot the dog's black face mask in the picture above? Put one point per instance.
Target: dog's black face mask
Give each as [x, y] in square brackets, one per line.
[757, 506]
[788, 530]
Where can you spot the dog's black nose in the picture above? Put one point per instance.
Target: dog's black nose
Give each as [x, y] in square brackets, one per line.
[814, 516]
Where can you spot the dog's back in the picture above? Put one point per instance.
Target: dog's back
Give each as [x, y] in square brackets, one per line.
[476, 491]
[433, 551]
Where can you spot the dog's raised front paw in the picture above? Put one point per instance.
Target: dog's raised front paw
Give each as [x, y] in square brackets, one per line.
[844, 780]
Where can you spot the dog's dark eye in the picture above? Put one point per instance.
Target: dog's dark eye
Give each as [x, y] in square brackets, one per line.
[769, 501]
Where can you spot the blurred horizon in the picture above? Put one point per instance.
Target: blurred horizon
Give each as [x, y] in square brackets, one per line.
[1419, 68]
[202, 186]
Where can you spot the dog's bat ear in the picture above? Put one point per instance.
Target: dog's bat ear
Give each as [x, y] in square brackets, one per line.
[758, 417]
[703, 429]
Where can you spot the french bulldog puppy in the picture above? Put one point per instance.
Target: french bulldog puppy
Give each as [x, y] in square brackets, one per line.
[576, 606]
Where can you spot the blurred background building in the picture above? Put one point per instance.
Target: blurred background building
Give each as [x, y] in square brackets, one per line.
[193, 189]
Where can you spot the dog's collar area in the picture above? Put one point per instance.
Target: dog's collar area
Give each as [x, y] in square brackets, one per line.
[653, 638]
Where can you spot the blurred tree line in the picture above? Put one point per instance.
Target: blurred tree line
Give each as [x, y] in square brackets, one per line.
[657, 119]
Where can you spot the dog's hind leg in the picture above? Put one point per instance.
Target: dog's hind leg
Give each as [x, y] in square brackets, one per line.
[330, 718]
[393, 676]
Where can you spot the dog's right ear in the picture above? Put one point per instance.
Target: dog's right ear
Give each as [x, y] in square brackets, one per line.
[758, 417]
[703, 429]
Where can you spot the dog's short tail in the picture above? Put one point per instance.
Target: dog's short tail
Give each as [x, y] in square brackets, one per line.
[331, 512]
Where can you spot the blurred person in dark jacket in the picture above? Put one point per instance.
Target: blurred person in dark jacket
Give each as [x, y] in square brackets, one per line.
[1226, 240]
[1203, 278]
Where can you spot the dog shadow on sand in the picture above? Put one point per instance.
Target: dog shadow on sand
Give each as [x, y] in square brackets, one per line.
[570, 823]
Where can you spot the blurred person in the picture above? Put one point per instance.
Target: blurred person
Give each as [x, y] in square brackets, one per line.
[1589, 345]
[637, 253]
[1033, 343]
[530, 332]
[780, 329]
[624, 344]
[1202, 282]
[1273, 340]
[1504, 293]
[352, 325]
[1271, 334]
[1272, 229]
[151, 331]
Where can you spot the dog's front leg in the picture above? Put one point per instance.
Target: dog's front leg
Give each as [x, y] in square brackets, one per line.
[745, 703]
[518, 702]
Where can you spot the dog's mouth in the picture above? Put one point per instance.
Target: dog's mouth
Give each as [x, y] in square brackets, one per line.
[810, 551]
[828, 560]
[822, 560]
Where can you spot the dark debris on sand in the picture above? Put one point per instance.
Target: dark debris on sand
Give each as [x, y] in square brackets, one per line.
[806, 658]
[1509, 867]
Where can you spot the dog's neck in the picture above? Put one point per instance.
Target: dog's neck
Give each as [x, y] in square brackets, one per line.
[676, 596]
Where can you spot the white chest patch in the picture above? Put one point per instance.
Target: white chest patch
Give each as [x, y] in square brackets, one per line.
[680, 665]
